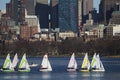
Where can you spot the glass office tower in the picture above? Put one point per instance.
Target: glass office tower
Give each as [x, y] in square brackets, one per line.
[68, 15]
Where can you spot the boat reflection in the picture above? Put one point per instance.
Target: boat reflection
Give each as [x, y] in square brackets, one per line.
[85, 74]
[24, 77]
[46, 75]
[8, 77]
[97, 74]
[72, 74]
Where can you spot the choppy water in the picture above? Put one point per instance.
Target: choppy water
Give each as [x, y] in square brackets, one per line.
[59, 72]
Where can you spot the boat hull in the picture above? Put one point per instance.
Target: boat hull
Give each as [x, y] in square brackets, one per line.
[9, 70]
[33, 65]
[45, 70]
[25, 70]
[71, 69]
[98, 70]
[85, 70]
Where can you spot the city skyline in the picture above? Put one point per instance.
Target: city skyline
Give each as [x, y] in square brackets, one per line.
[3, 4]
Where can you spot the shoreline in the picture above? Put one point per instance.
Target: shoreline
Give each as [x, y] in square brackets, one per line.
[117, 56]
[65, 55]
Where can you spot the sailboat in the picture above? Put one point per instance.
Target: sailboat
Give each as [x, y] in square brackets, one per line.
[96, 64]
[85, 64]
[24, 66]
[45, 65]
[15, 61]
[7, 66]
[72, 65]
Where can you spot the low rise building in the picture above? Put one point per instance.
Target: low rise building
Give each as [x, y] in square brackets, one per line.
[100, 30]
[112, 31]
[92, 32]
[31, 27]
[65, 35]
[27, 32]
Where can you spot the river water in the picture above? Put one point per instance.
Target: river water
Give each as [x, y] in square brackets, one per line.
[59, 65]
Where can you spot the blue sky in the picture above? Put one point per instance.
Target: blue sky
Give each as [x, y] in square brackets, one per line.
[96, 4]
[3, 2]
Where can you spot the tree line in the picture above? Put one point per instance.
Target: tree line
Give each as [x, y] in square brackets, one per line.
[105, 47]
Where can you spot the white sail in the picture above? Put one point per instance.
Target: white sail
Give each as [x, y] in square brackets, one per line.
[45, 65]
[24, 66]
[100, 65]
[49, 66]
[85, 64]
[72, 65]
[75, 66]
[98, 61]
[15, 61]
[45, 62]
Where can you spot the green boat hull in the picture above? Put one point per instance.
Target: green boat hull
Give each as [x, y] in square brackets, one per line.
[8, 70]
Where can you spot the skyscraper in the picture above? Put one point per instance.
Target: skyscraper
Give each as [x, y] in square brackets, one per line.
[68, 15]
[16, 11]
[79, 13]
[30, 7]
[31, 4]
[54, 14]
[42, 11]
[87, 6]
[106, 9]
[42, 8]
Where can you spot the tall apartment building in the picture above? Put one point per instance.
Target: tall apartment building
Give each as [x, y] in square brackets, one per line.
[16, 11]
[106, 8]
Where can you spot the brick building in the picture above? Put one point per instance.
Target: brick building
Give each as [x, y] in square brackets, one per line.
[27, 32]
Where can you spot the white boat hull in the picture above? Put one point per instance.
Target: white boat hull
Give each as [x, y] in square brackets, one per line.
[71, 69]
[45, 70]
[33, 65]
[98, 70]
